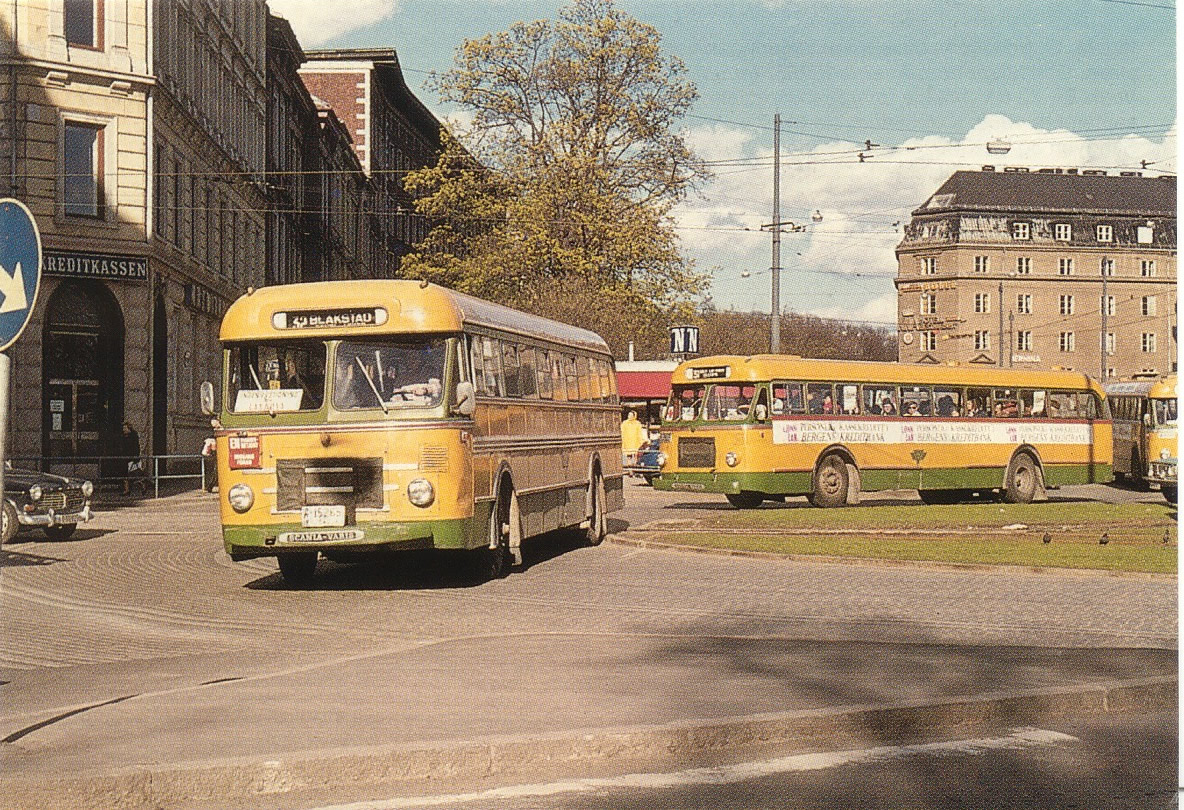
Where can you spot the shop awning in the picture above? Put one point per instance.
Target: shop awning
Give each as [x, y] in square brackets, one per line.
[643, 384]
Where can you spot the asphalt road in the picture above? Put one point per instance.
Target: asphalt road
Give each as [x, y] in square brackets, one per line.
[207, 658]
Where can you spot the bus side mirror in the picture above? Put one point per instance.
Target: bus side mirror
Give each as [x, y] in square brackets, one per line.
[207, 398]
[466, 399]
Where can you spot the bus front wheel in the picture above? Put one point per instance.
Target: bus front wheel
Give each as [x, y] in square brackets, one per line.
[745, 500]
[298, 567]
[495, 557]
[1022, 480]
[831, 483]
[597, 528]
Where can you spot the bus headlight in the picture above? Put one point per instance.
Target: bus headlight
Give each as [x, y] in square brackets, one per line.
[35, 493]
[420, 492]
[88, 489]
[732, 459]
[241, 498]
[662, 458]
[1165, 453]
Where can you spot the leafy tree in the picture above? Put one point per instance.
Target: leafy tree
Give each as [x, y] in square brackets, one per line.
[559, 199]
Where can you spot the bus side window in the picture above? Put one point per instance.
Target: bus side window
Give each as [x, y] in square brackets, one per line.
[1034, 404]
[820, 398]
[849, 399]
[1062, 405]
[948, 401]
[510, 370]
[543, 359]
[1091, 405]
[492, 367]
[880, 400]
[558, 382]
[573, 380]
[916, 401]
[527, 379]
[977, 400]
[1006, 405]
[787, 398]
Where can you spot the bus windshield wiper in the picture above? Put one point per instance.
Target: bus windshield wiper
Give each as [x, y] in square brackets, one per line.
[373, 387]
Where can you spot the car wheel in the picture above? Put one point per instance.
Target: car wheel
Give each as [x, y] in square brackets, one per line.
[298, 567]
[9, 523]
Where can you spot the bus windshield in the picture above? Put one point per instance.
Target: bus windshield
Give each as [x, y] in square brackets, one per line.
[1165, 411]
[685, 403]
[391, 373]
[274, 377]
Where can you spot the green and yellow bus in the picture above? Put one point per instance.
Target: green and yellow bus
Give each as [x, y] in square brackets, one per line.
[765, 427]
[369, 416]
[1145, 412]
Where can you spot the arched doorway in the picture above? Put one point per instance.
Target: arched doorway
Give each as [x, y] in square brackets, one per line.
[82, 371]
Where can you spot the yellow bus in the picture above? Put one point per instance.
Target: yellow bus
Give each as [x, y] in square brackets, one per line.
[370, 416]
[764, 427]
[1144, 412]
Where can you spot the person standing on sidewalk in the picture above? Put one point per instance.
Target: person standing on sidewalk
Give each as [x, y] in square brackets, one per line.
[129, 448]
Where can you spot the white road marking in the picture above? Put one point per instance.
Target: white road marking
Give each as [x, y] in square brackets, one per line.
[727, 774]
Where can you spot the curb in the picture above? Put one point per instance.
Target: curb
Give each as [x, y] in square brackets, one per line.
[628, 539]
[244, 778]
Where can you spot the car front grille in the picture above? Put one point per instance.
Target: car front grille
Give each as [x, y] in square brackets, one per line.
[355, 483]
[696, 452]
[63, 500]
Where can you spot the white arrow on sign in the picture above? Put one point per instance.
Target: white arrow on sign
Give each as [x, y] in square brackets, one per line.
[13, 289]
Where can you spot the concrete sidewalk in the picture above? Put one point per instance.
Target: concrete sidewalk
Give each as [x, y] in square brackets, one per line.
[476, 707]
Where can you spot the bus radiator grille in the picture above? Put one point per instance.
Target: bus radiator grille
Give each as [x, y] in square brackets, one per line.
[696, 452]
[352, 482]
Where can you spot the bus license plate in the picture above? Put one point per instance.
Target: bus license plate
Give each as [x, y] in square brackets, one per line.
[320, 517]
[328, 536]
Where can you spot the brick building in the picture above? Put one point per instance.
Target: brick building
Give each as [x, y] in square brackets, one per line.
[1023, 268]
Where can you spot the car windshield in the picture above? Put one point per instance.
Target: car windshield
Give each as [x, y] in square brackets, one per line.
[275, 377]
[389, 374]
[1165, 411]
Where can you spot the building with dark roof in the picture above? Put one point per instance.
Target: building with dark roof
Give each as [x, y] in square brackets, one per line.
[1042, 269]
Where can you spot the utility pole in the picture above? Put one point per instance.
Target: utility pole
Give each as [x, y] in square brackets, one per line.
[775, 334]
[1105, 306]
[1000, 324]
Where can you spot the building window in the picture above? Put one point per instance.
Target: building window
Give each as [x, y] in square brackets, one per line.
[1107, 267]
[1149, 305]
[1023, 304]
[1111, 372]
[1065, 266]
[1021, 230]
[82, 164]
[1109, 305]
[928, 304]
[982, 302]
[982, 264]
[1145, 234]
[1147, 268]
[1023, 341]
[1110, 344]
[1149, 342]
[1105, 233]
[929, 341]
[1062, 232]
[1066, 305]
[1023, 265]
[1068, 341]
[982, 340]
[928, 265]
[82, 22]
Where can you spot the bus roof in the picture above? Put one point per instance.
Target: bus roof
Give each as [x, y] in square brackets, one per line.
[410, 307]
[1155, 388]
[788, 367]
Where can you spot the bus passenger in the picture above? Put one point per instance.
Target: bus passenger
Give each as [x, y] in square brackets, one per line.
[887, 408]
[911, 409]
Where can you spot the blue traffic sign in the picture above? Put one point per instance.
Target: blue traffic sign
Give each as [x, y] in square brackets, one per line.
[20, 269]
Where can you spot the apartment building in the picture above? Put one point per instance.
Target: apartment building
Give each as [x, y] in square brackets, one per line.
[1051, 268]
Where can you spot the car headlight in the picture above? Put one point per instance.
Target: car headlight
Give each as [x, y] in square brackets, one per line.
[1165, 453]
[88, 489]
[420, 492]
[732, 459]
[662, 458]
[35, 493]
[241, 498]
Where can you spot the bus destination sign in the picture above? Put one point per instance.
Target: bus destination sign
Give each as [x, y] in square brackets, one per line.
[712, 373]
[329, 318]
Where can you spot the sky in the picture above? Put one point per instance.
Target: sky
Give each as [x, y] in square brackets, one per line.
[1067, 83]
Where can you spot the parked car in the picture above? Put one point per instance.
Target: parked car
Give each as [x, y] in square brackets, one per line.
[644, 463]
[54, 503]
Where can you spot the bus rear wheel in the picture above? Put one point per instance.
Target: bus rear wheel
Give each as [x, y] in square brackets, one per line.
[494, 560]
[597, 529]
[298, 567]
[745, 500]
[831, 482]
[1022, 480]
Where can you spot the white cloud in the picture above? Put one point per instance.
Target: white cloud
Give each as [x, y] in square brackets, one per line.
[316, 22]
[844, 263]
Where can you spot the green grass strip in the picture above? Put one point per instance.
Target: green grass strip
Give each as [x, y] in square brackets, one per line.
[1131, 551]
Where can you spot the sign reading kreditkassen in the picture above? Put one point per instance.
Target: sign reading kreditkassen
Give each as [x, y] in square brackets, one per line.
[95, 265]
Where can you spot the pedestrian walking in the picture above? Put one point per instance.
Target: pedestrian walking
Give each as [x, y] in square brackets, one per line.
[129, 449]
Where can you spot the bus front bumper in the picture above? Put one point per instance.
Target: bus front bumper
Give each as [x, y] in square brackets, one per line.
[246, 542]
